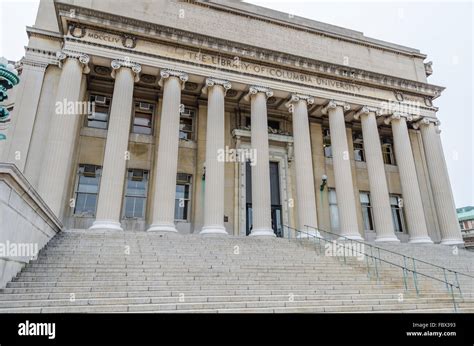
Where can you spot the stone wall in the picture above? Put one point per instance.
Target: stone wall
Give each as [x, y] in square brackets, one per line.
[26, 222]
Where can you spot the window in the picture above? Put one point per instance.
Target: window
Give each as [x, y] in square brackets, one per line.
[183, 196]
[135, 194]
[358, 141]
[387, 152]
[397, 213]
[366, 210]
[327, 143]
[143, 118]
[186, 124]
[86, 190]
[100, 112]
[333, 211]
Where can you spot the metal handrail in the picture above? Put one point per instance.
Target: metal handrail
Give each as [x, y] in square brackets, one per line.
[405, 268]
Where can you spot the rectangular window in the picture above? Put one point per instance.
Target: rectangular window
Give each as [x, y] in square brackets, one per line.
[387, 152]
[183, 197]
[327, 143]
[358, 141]
[87, 188]
[397, 213]
[333, 211]
[136, 194]
[186, 124]
[100, 112]
[366, 210]
[143, 118]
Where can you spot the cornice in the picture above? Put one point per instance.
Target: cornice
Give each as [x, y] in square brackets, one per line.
[365, 41]
[104, 21]
[32, 31]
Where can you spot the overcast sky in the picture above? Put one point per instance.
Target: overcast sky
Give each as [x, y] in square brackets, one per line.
[443, 30]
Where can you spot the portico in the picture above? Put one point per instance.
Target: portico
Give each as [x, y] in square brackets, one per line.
[149, 157]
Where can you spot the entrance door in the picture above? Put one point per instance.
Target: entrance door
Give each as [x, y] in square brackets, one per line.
[276, 208]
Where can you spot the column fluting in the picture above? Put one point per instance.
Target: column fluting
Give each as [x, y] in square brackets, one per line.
[346, 203]
[303, 159]
[379, 197]
[440, 184]
[116, 147]
[166, 160]
[214, 189]
[59, 151]
[261, 202]
[412, 203]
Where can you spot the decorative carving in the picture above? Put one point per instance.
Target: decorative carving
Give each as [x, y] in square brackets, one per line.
[189, 86]
[210, 82]
[82, 58]
[117, 64]
[129, 41]
[299, 97]
[399, 96]
[428, 102]
[426, 121]
[102, 70]
[182, 76]
[232, 93]
[429, 68]
[255, 89]
[148, 79]
[77, 31]
[333, 104]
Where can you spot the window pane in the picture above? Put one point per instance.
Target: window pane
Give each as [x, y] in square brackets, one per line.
[88, 184]
[332, 196]
[334, 217]
[129, 203]
[364, 198]
[139, 207]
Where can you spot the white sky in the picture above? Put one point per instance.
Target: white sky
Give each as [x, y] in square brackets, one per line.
[441, 29]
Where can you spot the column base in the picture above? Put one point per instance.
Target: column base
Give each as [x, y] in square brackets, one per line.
[162, 227]
[262, 233]
[213, 230]
[106, 225]
[308, 234]
[420, 240]
[386, 239]
[452, 241]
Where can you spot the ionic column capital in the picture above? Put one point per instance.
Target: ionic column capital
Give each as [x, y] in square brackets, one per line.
[299, 97]
[397, 116]
[210, 82]
[426, 121]
[255, 89]
[81, 57]
[117, 64]
[366, 110]
[182, 76]
[333, 104]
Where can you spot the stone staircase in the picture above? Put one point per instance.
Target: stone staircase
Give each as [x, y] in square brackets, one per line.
[84, 271]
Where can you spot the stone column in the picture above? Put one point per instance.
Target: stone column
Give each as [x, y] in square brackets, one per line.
[439, 178]
[116, 147]
[261, 203]
[412, 203]
[346, 203]
[379, 197]
[214, 190]
[305, 193]
[166, 161]
[59, 151]
[27, 98]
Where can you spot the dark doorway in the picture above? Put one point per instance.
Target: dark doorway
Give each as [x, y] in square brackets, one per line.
[276, 209]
